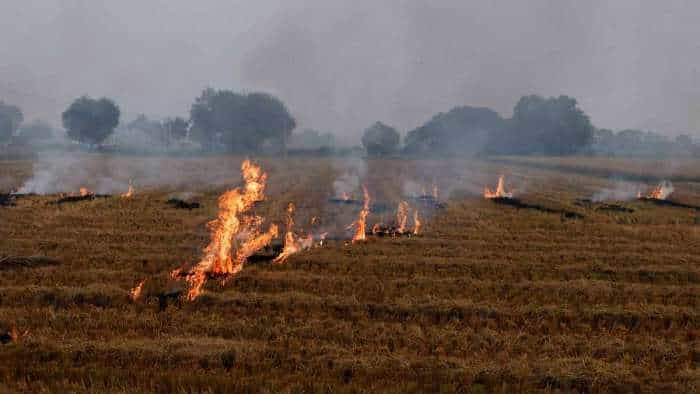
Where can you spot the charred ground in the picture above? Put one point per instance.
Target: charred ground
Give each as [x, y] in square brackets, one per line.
[490, 297]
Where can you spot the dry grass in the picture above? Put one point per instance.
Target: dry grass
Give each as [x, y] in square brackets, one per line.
[490, 298]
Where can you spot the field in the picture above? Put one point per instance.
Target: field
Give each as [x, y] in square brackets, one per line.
[489, 298]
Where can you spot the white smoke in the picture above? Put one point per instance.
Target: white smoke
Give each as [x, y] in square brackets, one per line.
[106, 174]
[352, 172]
[622, 191]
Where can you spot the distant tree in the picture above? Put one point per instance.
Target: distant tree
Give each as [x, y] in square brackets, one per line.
[37, 130]
[175, 128]
[311, 139]
[602, 142]
[461, 131]
[91, 121]
[152, 129]
[553, 126]
[10, 119]
[684, 140]
[240, 122]
[629, 142]
[380, 139]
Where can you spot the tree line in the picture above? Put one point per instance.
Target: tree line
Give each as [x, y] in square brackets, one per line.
[227, 121]
[554, 126]
[220, 120]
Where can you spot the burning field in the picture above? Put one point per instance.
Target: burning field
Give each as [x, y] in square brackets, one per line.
[306, 275]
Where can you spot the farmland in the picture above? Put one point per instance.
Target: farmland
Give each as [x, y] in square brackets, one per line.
[488, 298]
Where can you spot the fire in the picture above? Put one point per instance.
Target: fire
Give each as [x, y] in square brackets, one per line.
[416, 223]
[660, 192]
[135, 293]
[500, 190]
[362, 218]
[84, 192]
[401, 217]
[292, 244]
[232, 231]
[345, 196]
[130, 192]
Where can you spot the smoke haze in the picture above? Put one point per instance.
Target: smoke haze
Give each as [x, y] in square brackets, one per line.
[341, 65]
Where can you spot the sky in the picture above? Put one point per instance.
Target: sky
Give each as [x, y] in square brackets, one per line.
[342, 65]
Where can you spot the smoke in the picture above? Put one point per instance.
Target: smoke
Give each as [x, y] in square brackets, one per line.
[352, 173]
[54, 173]
[412, 188]
[106, 174]
[621, 191]
[341, 65]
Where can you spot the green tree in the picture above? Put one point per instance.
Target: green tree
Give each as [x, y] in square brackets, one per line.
[462, 131]
[91, 121]
[239, 122]
[37, 130]
[552, 126]
[10, 119]
[380, 139]
[175, 128]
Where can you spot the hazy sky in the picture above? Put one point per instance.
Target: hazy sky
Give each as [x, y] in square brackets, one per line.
[341, 65]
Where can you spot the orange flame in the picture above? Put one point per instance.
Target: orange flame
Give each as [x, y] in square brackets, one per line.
[84, 192]
[500, 191]
[230, 226]
[660, 192]
[401, 217]
[135, 293]
[292, 245]
[129, 193]
[416, 223]
[362, 218]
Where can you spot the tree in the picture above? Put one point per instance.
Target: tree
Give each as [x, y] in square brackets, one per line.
[461, 131]
[10, 119]
[38, 130]
[553, 126]
[91, 121]
[380, 139]
[311, 139]
[239, 122]
[684, 140]
[153, 130]
[175, 128]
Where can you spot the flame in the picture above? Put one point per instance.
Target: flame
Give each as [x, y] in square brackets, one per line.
[231, 225]
[416, 223]
[661, 191]
[320, 237]
[129, 193]
[345, 196]
[292, 244]
[84, 192]
[362, 218]
[401, 217]
[500, 190]
[135, 293]
[376, 228]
